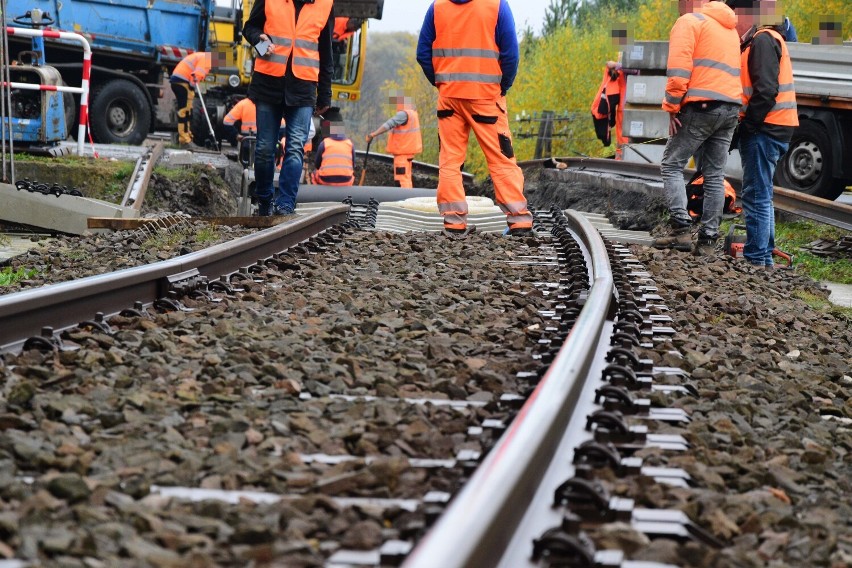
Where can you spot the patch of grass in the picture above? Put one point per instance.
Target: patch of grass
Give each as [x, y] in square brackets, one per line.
[74, 254]
[178, 174]
[9, 276]
[792, 236]
[207, 235]
[820, 304]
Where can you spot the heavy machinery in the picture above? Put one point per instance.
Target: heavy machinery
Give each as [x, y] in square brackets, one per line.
[818, 160]
[136, 44]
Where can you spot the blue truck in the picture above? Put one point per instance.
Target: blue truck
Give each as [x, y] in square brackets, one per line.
[136, 44]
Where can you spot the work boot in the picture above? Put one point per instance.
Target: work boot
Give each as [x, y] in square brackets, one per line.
[704, 246]
[679, 239]
[191, 146]
[282, 211]
[520, 232]
[264, 209]
[459, 233]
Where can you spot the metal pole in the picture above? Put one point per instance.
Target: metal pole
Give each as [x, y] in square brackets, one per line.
[6, 96]
[207, 116]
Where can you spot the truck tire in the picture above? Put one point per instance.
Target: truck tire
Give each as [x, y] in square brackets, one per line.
[119, 113]
[198, 124]
[807, 165]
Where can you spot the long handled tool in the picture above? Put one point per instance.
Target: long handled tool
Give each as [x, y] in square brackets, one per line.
[364, 169]
[207, 116]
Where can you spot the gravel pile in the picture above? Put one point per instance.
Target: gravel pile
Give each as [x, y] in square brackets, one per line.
[217, 398]
[771, 432]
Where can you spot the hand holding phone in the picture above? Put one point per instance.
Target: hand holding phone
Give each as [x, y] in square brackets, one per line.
[262, 47]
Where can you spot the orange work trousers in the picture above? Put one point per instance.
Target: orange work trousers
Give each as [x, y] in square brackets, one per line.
[402, 170]
[490, 124]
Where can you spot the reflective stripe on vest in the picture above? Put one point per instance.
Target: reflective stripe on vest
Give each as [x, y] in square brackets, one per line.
[195, 64]
[707, 70]
[465, 54]
[785, 111]
[299, 40]
[337, 159]
[405, 139]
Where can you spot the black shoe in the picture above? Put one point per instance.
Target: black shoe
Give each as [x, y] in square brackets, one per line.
[521, 232]
[704, 247]
[459, 233]
[264, 209]
[282, 211]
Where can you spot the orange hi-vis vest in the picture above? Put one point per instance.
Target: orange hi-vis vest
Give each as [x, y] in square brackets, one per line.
[337, 161]
[704, 59]
[246, 112]
[405, 140]
[299, 39]
[194, 67]
[785, 112]
[465, 54]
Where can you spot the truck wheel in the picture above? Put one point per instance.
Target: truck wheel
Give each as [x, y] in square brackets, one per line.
[198, 124]
[806, 166]
[119, 113]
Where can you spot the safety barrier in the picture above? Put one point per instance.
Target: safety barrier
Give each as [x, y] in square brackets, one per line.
[83, 90]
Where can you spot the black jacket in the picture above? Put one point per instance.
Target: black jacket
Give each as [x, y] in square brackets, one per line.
[289, 89]
[764, 63]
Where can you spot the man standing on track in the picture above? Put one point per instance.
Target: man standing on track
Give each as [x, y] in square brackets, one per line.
[292, 79]
[769, 117]
[469, 50]
[404, 140]
[703, 97]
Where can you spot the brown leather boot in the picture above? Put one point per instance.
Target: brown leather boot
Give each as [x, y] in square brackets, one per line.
[679, 239]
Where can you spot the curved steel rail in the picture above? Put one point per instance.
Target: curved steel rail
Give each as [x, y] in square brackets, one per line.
[66, 304]
[787, 200]
[481, 519]
[431, 168]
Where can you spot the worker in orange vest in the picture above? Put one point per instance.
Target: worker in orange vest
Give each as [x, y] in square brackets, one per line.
[344, 28]
[703, 96]
[291, 78]
[335, 158]
[187, 74]
[769, 116]
[469, 50]
[404, 140]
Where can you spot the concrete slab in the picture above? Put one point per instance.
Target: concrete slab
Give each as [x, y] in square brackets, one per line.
[14, 244]
[841, 294]
[66, 213]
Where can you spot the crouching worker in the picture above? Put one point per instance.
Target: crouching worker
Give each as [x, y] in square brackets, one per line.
[335, 158]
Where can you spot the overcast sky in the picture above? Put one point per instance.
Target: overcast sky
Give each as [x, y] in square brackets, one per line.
[407, 15]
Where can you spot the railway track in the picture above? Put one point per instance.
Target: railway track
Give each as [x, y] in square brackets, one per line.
[592, 314]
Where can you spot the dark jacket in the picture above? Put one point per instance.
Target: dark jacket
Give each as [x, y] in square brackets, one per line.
[764, 63]
[504, 35]
[289, 89]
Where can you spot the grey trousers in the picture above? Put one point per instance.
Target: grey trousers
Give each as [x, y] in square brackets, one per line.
[705, 134]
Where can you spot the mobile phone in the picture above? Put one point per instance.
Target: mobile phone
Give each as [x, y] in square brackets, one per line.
[262, 47]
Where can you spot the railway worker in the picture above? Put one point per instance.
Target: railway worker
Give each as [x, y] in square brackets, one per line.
[290, 79]
[469, 50]
[344, 28]
[191, 70]
[703, 96]
[244, 113]
[404, 140]
[608, 106]
[335, 158]
[768, 119]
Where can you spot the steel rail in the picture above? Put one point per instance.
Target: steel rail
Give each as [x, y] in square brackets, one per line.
[480, 520]
[787, 200]
[66, 304]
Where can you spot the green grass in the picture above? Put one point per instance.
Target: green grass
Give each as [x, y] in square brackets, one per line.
[9, 276]
[821, 304]
[792, 236]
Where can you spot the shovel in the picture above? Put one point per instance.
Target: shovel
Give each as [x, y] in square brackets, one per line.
[364, 169]
[207, 117]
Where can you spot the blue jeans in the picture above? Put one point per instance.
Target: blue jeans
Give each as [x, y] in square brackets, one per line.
[298, 121]
[706, 134]
[760, 154]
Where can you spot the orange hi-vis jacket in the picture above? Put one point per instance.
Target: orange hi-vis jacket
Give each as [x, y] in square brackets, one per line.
[704, 58]
[194, 67]
[405, 140]
[785, 112]
[246, 112]
[465, 54]
[337, 161]
[299, 39]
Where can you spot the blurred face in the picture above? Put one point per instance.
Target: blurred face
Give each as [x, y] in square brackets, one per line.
[337, 130]
[690, 6]
[830, 32]
[761, 13]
